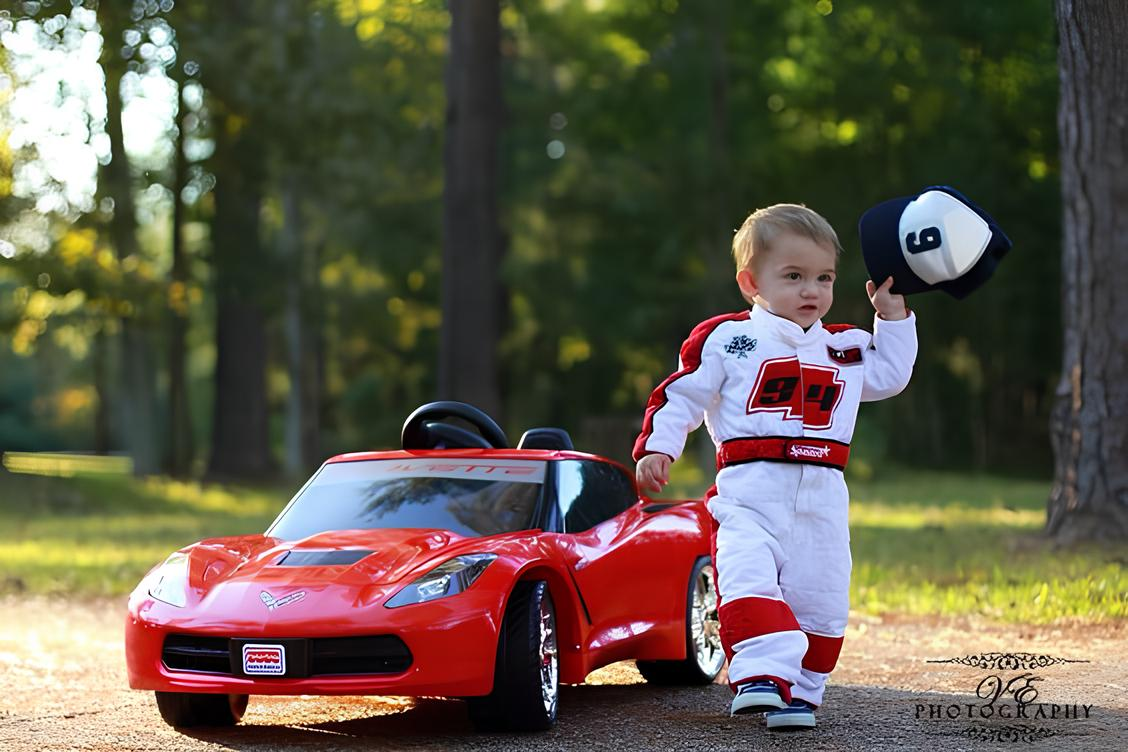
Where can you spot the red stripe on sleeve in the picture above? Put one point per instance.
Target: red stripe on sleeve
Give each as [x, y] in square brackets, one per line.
[690, 362]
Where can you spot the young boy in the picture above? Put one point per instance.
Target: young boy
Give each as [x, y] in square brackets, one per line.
[779, 393]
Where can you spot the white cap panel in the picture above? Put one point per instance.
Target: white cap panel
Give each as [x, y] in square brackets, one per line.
[941, 237]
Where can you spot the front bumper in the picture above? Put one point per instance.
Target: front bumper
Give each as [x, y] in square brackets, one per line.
[452, 644]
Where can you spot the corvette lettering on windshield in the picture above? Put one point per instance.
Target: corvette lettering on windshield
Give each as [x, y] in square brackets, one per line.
[486, 469]
[469, 469]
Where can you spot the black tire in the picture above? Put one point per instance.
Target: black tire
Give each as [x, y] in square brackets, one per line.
[704, 656]
[527, 672]
[186, 709]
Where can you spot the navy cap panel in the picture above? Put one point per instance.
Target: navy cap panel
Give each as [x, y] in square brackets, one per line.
[881, 249]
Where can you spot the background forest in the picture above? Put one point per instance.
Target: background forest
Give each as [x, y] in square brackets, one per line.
[267, 177]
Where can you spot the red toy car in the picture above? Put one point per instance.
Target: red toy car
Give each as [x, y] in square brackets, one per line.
[456, 567]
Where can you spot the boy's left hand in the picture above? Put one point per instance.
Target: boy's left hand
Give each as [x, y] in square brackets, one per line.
[890, 307]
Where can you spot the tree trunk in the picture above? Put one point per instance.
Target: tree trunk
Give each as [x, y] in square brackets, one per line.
[302, 406]
[102, 412]
[314, 361]
[721, 288]
[240, 435]
[180, 448]
[720, 270]
[137, 400]
[1090, 420]
[472, 295]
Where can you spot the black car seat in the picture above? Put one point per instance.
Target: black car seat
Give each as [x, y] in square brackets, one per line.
[545, 438]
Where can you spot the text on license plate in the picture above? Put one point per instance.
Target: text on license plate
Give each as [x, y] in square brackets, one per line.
[264, 659]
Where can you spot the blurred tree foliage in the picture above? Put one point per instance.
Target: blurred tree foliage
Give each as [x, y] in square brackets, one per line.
[638, 134]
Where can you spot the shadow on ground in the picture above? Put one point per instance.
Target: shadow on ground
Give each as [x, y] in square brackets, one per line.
[640, 717]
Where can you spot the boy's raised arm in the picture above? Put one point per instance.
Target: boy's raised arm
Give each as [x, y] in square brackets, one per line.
[889, 364]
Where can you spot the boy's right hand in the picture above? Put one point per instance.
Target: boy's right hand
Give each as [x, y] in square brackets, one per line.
[653, 471]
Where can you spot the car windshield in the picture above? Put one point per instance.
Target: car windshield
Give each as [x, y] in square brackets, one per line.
[470, 498]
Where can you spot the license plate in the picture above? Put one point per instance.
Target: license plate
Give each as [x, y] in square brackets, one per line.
[268, 660]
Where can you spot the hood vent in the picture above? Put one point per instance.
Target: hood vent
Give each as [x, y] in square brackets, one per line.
[322, 558]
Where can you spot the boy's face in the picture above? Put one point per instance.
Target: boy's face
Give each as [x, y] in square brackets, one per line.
[793, 279]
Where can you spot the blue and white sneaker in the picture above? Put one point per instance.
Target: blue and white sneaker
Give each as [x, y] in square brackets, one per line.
[800, 714]
[756, 697]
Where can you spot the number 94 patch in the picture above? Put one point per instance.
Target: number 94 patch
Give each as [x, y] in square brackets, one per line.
[797, 390]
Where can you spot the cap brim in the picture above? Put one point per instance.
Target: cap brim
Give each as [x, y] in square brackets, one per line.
[881, 249]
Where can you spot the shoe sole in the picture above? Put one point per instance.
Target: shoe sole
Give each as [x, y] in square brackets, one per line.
[791, 724]
[766, 706]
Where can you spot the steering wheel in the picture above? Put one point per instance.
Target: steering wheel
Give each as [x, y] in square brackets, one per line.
[423, 429]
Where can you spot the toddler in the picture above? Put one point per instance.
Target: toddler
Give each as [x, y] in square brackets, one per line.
[779, 391]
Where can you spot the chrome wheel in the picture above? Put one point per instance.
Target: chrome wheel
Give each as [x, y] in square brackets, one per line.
[704, 654]
[527, 669]
[705, 625]
[549, 657]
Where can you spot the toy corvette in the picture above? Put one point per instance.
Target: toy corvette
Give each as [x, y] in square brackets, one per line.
[454, 567]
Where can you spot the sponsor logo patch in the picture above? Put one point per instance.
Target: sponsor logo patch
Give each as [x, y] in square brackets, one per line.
[268, 660]
[740, 346]
[804, 451]
[847, 357]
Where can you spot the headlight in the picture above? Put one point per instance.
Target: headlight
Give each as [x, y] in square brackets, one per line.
[448, 578]
[170, 581]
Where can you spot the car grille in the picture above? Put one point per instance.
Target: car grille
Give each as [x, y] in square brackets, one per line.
[197, 653]
[385, 654]
[317, 656]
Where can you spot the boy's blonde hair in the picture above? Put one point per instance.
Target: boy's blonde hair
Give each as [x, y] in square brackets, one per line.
[763, 226]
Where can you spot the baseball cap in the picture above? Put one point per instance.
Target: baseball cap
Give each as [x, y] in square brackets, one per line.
[935, 240]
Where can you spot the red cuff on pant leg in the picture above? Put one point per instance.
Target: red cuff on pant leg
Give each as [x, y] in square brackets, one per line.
[744, 618]
[822, 653]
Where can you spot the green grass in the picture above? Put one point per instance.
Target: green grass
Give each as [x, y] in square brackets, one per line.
[929, 543]
[923, 543]
[957, 544]
[99, 535]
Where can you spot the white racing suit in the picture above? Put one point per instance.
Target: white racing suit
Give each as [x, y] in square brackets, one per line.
[780, 405]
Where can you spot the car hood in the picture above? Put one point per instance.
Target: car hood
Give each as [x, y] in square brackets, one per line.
[349, 557]
[239, 581]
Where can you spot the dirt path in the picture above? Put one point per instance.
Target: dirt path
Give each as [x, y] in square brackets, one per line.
[63, 687]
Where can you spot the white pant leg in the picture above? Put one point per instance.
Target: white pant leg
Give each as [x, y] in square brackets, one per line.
[815, 579]
[758, 629]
